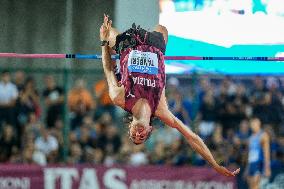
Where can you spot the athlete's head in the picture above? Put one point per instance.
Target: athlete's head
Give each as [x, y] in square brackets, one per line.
[255, 124]
[139, 131]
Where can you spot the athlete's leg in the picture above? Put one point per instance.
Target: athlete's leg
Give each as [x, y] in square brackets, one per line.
[254, 181]
[248, 179]
[163, 30]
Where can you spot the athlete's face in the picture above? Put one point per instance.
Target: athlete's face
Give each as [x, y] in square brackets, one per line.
[255, 125]
[139, 133]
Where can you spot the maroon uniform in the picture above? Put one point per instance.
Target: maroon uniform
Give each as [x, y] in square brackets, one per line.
[142, 68]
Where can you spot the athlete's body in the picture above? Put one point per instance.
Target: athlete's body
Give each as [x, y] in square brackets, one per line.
[259, 154]
[145, 107]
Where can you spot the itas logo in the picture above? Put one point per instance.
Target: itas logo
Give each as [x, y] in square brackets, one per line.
[143, 62]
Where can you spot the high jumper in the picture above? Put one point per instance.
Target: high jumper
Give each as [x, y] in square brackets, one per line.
[139, 85]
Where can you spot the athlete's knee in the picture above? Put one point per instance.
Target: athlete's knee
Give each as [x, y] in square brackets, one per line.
[255, 182]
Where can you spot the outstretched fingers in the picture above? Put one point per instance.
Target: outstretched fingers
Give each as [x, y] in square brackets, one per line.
[232, 174]
[224, 171]
[237, 171]
[105, 19]
[107, 22]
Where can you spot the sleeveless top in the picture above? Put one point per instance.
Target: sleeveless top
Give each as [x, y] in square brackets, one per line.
[255, 148]
[142, 69]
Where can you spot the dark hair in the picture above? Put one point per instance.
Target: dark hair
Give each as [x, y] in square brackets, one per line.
[254, 117]
[5, 72]
[29, 79]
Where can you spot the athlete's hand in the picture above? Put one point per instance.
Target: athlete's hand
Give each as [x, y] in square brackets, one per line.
[105, 28]
[222, 170]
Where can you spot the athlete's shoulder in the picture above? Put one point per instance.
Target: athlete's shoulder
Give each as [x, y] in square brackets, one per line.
[264, 135]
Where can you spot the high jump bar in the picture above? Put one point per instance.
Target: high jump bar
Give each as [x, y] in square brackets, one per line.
[97, 56]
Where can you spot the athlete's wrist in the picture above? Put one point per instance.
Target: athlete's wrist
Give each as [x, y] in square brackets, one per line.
[104, 42]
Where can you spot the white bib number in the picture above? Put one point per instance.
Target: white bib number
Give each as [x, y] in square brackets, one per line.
[143, 62]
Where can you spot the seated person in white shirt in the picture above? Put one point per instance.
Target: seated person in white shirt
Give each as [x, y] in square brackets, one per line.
[8, 97]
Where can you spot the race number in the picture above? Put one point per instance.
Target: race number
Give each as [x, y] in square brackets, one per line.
[143, 62]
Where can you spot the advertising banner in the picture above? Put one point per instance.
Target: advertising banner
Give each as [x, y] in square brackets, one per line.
[121, 177]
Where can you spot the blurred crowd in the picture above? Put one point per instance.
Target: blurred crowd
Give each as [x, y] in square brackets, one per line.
[218, 109]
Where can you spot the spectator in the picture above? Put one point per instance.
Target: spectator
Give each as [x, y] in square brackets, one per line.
[112, 145]
[205, 85]
[138, 156]
[47, 144]
[177, 104]
[26, 104]
[106, 119]
[8, 96]
[103, 101]
[207, 115]
[258, 89]
[8, 144]
[31, 96]
[268, 112]
[28, 154]
[158, 155]
[57, 132]
[33, 156]
[276, 99]
[229, 86]
[178, 153]
[113, 141]
[54, 101]
[125, 151]
[241, 101]
[99, 138]
[32, 127]
[19, 80]
[84, 136]
[165, 135]
[75, 154]
[229, 112]
[80, 102]
[24, 107]
[242, 135]
[94, 155]
[218, 135]
[275, 146]
[89, 123]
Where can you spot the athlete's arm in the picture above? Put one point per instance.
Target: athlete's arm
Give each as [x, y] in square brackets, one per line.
[266, 150]
[194, 140]
[111, 37]
[116, 92]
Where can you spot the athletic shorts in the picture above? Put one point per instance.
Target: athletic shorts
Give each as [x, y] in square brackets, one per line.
[255, 168]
